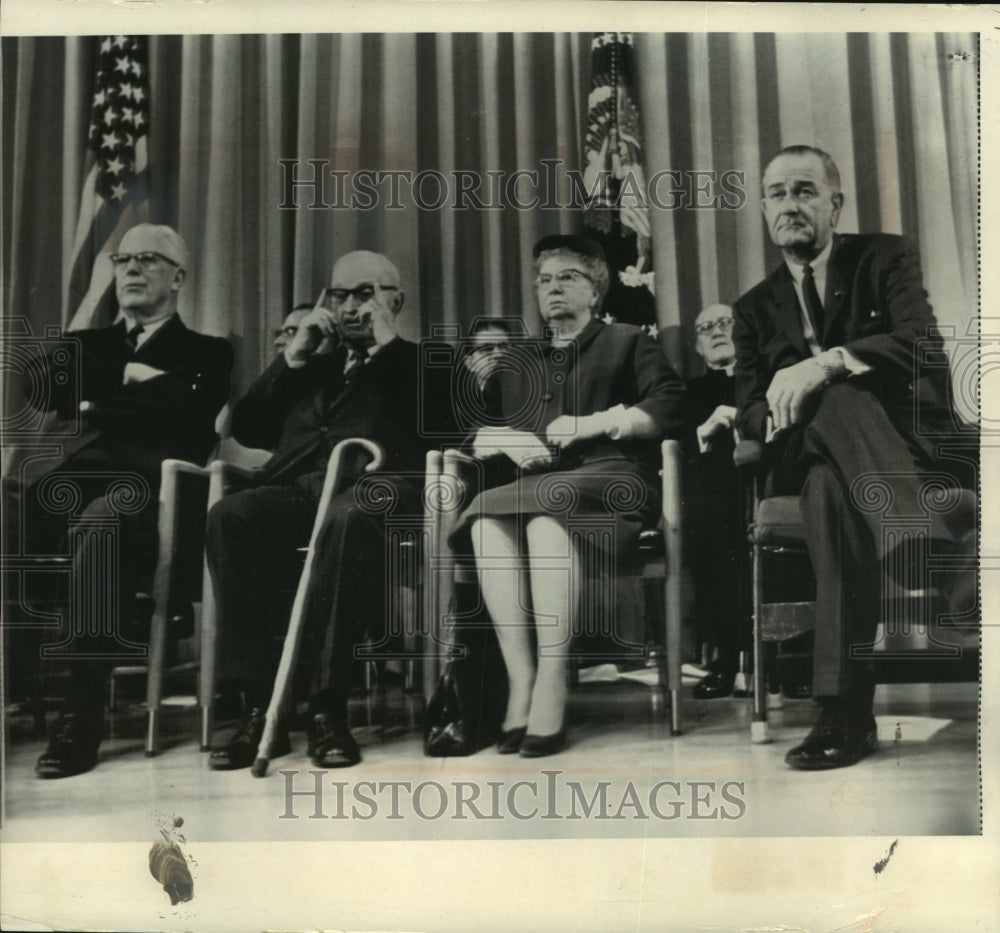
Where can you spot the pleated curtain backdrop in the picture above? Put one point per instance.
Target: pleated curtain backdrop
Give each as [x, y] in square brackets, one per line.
[898, 113]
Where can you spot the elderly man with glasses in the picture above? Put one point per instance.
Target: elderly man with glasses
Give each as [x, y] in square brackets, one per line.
[303, 404]
[145, 389]
[713, 504]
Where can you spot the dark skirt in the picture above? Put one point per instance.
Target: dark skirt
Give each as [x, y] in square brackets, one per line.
[603, 503]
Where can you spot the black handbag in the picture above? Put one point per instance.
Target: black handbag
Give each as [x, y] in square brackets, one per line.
[466, 708]
[445, 732]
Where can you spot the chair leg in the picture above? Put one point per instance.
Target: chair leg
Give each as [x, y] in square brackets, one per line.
[673, 546]
[206, 668]
[154, 679]
[206, 728]
[759, 728]
[673, 647]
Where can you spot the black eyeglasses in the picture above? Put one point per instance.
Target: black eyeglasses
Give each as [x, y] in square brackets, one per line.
[566, 277]
[289, 331]
[361, 294]
[725, 324]
[146, 260]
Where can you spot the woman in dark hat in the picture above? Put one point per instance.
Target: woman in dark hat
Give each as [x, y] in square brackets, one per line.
[583, 412]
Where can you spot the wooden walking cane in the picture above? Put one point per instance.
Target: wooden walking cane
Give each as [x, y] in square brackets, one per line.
[289, 653]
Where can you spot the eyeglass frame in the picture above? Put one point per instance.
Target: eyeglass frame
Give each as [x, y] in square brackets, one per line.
[290, 331]
[708, 327]
[121, 260]
[353, 293]
[563, 277]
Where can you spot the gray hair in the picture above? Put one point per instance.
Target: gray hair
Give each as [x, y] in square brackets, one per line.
[596, 268]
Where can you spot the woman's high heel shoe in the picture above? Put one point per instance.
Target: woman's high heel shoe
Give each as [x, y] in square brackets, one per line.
[538, 746]
[510, 740]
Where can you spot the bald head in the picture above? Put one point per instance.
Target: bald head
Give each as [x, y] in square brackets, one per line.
[353, 283]
[364, 263]
[157, 238]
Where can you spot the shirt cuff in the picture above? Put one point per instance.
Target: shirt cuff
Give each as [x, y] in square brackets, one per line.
[619, 423]
[841, 357]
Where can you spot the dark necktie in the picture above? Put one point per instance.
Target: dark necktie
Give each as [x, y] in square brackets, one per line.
[132, 337]
[355, 359]
[814, 307]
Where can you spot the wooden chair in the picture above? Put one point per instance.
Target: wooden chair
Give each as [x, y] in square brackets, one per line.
[657, 560]
[921, 637]
[177, 582]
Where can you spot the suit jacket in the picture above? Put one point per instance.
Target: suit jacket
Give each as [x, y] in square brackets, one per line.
[301, 414]
[138, 425]
[714, 469]
[607, 365]
[876, 308]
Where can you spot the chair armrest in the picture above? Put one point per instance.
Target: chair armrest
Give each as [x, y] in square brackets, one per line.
[173, 467]
[464, 469]
[171, 472]
[225, 478]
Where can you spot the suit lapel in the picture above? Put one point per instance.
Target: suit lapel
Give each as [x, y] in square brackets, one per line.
[164, 343]
[787, 312]
[348, 387]
[332, 384]
[838, 282]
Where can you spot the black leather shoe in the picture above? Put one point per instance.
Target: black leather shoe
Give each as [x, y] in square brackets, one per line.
[241, 750]
[72, 748]
[538, 746]
[715, 686]
[511, 739]
[837, 740]
[331, 744]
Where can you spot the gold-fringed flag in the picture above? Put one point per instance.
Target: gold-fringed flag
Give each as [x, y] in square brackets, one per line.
[617, 208]
[613, 170]
[115, 188]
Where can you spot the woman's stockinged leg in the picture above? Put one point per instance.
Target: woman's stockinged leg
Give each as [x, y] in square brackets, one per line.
[496, 544]
[554, 567]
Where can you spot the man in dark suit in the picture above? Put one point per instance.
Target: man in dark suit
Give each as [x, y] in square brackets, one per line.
[300, 407]
[149, 389]
[714, 512]
[826, 376]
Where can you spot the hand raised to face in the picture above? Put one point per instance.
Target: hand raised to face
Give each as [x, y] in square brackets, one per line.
[378, 312]
[319, 323]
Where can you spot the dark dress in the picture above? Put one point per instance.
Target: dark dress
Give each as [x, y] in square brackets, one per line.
[605, 492]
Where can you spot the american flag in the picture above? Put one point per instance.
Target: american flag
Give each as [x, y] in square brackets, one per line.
[114, 194]
[612, 147]
[617, 211]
